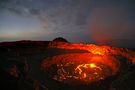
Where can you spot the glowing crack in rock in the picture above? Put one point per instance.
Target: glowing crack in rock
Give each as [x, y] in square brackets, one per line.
[86, 66]
[90, 72]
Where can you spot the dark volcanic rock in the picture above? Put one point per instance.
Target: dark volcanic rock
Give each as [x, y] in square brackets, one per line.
[34, 52]
[7, 82]
[60, 39]
[125, 81]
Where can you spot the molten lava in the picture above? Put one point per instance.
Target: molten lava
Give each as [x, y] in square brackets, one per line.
[91, 72]
[80, 67]
[99, 63]
[86, 66]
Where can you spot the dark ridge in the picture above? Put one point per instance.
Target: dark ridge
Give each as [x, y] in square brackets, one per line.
[24, 43]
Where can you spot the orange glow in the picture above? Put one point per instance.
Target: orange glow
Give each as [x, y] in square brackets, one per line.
[98, 50]
[94, 49]
[92, 65]
[98, 63]
[83, 67]
[84, 75]
[90, 72]
[86, 66]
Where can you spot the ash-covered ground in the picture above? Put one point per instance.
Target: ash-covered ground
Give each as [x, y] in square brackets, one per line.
[32, 65]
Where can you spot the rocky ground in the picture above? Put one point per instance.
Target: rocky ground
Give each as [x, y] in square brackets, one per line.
[21, 66]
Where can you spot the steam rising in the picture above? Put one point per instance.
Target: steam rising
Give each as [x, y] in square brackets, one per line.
[112, 25]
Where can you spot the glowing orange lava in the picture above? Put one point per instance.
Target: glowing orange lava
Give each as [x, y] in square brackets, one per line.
[86, 66]
[97, 64]
[81, 67]
[92, 72]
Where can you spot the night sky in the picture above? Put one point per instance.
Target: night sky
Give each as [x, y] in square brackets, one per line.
[100, 21]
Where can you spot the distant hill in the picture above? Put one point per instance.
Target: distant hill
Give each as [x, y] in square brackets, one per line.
[24, 43]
